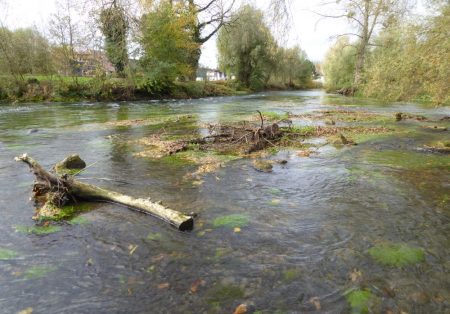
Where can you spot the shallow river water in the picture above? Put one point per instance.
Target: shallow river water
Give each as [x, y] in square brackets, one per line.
[303, 246]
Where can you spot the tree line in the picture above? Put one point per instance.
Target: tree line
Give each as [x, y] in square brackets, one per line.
[151, 45]
[394, 57]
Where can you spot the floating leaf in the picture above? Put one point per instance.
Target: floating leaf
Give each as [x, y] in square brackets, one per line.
[6, 254]
[275, 202]
[396, 254]
[28, 310]
[359, 301]
[231, 221]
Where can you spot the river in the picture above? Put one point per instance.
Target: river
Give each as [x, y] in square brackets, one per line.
[304, 245]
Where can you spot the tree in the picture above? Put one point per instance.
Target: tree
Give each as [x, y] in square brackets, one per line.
[24, 51]
[339, 65]
[293, 68]
[366, 16]
[167, 42]
[410, 61]
[247, 48]
[114, 26]
[68, 36]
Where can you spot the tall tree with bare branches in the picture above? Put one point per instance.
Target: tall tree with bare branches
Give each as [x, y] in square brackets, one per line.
[366, 16]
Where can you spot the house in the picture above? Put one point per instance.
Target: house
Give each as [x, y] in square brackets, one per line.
[89, 61]
[208, 74]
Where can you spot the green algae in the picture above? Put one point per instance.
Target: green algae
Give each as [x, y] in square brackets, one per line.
[224, 294]
[79, 221]
[36, 272]
[291, 274]
[407, 159]
[6, 254]
[154, 236]
[359, 301]
[396, 254]
[70, 210]
[39, 230]
[231, 221]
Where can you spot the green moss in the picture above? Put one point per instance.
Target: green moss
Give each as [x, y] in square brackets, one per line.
[79, 221]
[359, 301]
[231, 221]
[6, 254]
[407, 159]
[224, 294]
[291, 274]
[154, 236]
[37, 272]
[306, 130]
[396, 254]
[39, 230]
[275, 191]
[71, 210]
[275, 116]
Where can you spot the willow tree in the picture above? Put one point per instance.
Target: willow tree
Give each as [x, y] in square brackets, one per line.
[247, 48]
[339, 65]
[114, 26]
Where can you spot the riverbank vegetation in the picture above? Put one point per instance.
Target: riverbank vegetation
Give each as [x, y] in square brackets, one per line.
[406, 60]
[150, 50]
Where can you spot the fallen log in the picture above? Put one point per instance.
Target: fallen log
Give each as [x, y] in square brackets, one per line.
[55, 191]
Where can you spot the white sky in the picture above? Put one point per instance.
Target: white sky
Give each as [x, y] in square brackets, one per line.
[306, 30]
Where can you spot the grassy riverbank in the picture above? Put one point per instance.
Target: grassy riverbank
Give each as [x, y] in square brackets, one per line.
[70, 89]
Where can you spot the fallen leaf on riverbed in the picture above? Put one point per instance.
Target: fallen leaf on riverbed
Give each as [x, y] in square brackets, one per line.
[237, 230]
[355, 275]
[196, 284]
[28, 310]
[316, 302]
[165, 285]
[132, 248]
[241, 309]
[304, 153]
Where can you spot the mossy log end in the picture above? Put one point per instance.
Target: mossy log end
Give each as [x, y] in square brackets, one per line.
[70, 188]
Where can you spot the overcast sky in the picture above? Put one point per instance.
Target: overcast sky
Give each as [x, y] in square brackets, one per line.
[307, 30]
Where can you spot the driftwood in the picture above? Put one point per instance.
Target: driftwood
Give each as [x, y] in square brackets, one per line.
[55, 191]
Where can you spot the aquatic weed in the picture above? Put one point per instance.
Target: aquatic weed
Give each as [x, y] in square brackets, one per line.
[396, 254]
[359, 301]
[36, 272]
[6, 254]
[231, 221]
[39, 230]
